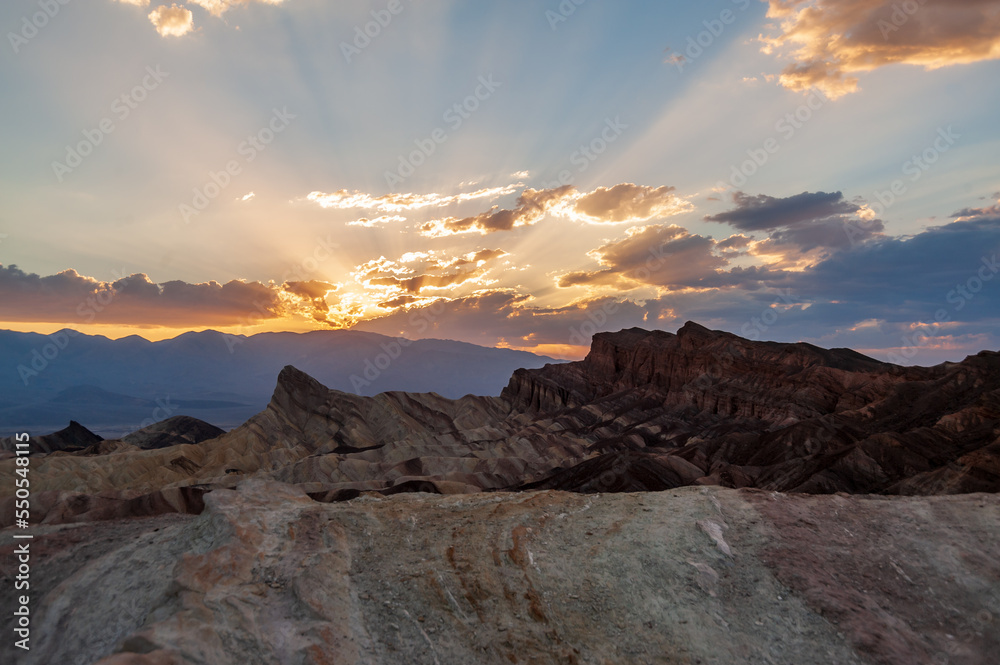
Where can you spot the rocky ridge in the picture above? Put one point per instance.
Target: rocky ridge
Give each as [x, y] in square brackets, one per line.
[644, 411]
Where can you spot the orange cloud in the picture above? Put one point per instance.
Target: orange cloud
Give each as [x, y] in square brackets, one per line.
[831, 41]
[629, 203]
[531, 207]
[172, 21]
[414, 272]
[312, 296]
[623, 203]
[177, 20]
[73, 299]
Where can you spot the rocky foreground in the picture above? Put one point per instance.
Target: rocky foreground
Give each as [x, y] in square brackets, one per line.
[693, 575]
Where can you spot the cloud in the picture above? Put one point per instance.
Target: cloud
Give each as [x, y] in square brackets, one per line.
[734, 243]
[313, 292]
[802, 228]
[623, 203]
[874, 296]
[831, 41]
[345, 200]
[504, 317]
[966, 214]
[172, 21]
[661, 256]
[531, 207]
[833, 233]
[627, 203]
[219, 7]
[907, 279]
[71, 298]
[765, 213]
[312, 289]
[177, 20]
[74, 299]
[372, 223]
[416, 272]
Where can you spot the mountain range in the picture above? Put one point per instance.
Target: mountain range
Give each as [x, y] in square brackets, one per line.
[117, 386]
[644, 411]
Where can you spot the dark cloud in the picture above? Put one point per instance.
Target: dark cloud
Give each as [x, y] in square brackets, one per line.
[765, 213]
[902, 280]
[972, 213]
[662, 256]
[802, 228]
[735, 242]
[310, 289]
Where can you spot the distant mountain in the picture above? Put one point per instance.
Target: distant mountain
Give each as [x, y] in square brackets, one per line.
[118, 386]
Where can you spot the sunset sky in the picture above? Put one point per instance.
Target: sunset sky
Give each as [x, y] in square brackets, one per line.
[518, 173]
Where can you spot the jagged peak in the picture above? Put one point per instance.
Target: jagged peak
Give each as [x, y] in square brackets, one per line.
[293, 381]
[692, 328]
[76, 429]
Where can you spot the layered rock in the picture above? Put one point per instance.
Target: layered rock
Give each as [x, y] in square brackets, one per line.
[644, 411]
[789, 417]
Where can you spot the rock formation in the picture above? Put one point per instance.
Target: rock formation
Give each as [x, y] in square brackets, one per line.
[644, 411]
[729, 502]
[709, 575]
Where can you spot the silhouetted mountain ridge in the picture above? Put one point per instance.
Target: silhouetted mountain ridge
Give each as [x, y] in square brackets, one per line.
[114, 386]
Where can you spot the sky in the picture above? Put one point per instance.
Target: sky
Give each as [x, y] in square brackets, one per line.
[518, 174]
